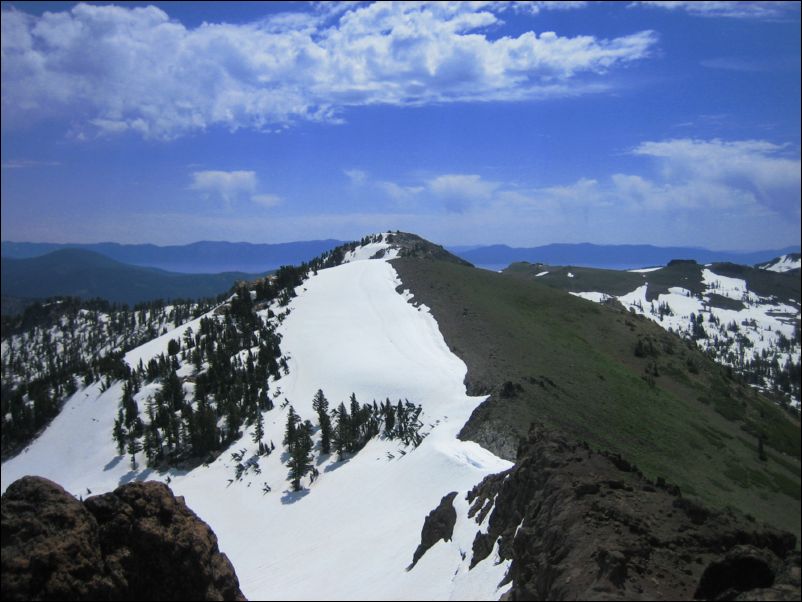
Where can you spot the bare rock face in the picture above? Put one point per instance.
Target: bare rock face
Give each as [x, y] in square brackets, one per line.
[50, 545]
[583, 525]
[138, 543]
[439, 524]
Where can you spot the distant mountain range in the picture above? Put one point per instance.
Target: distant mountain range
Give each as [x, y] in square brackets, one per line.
[212, 257]
[196, 258]
[86, 274]
[618, 257]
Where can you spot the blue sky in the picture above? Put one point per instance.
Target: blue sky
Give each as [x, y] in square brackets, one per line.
[664, 123]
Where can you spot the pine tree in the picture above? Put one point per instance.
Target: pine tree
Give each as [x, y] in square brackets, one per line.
[389, 419]
[290, 433]
[152, 444]
[134, 446]
[356, 422]
[321, 405]
[300, 462]
[342, 431]
[119, 432]
[260, 428]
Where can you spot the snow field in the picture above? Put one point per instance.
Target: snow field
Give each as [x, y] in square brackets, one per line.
[783, 264]
[352, 533]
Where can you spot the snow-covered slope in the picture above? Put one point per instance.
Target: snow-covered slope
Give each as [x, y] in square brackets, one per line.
[785, 263]
[352, 532]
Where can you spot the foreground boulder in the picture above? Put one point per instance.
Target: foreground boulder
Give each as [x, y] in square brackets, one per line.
[138, 543]
[583, 525]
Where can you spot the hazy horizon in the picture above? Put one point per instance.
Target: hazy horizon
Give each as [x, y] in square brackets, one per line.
[463, 247]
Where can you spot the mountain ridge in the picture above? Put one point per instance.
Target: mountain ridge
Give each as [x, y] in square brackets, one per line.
[196, 257]
[610, 256]
[86, 274]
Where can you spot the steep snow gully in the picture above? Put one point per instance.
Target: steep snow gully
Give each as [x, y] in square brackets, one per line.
[352, 532]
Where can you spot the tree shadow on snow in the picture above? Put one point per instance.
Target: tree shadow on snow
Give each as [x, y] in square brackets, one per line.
[290, 497]
[112, 463]
[133, 475]
[335, 465]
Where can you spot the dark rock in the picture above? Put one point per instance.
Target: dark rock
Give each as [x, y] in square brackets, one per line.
[50, 545]
[412, 245]
[586, 526]
[439, 524]
[787, 584]
[741, 569]
[137, 543]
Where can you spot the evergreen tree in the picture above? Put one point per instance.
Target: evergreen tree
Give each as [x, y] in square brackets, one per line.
[321, 405]
[342, 431]
[152, 444]
[260, 428]
[389, 418]
[119, 432]
[355, 424]
[290, 432]
[134, 446]
[300, 462]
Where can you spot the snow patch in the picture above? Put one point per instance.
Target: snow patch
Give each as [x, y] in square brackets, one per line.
[592, 296]
[352, 534]
[783, 264]
[646, 270]
[369, 251]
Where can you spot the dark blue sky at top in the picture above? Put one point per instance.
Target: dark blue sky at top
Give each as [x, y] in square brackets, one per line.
[567, 168]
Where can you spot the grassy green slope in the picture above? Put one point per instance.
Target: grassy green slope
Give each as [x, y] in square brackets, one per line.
[572, 364]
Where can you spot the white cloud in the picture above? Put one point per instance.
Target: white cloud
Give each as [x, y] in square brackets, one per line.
[739, 9]
[267, 200]
[227, 185]
[113, 69]
[357, 176]
[399, 192]
[759, 168]
[231, 186]
[460, 191]
[535, 7]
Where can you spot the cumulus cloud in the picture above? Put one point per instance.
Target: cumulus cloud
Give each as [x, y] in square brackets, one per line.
[399, 192]
[231, 186]
[682, 174]
[459, 191]
[227, 185]
[739, 9]
[114, 69]
[758, 168]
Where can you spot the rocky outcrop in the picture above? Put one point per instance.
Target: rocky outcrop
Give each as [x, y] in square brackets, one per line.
[579, 524]
[412, 245]
[138, 543]
[439, 524]
[50, 545]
